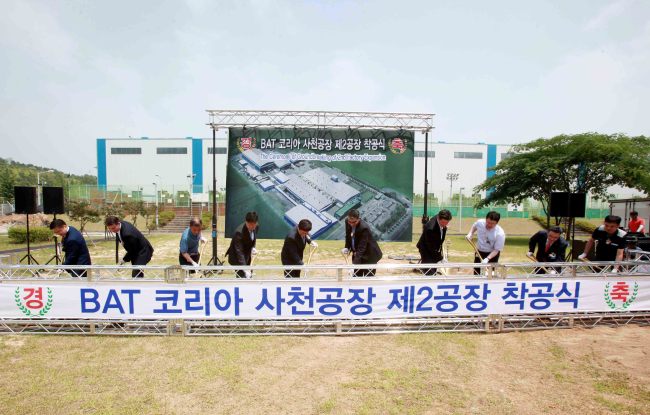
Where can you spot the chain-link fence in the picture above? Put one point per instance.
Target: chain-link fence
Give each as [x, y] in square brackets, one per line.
[179, 196]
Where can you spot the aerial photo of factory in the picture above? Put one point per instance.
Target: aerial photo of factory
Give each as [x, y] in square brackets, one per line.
[316, 191]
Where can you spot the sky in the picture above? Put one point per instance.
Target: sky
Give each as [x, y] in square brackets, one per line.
[500, 71]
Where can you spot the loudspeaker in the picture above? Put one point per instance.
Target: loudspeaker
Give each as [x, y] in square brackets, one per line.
[578, 247]
[568, 205]
[25, 198]
[53, 200]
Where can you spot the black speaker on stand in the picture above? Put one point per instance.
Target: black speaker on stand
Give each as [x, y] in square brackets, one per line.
[25, 200]
[569, 205]
[52, 205]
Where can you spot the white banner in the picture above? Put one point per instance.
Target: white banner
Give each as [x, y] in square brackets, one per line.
[304, 299]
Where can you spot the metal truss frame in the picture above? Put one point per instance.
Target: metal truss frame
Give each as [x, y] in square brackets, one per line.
[640, 267]
[394, 271]
[320, 119]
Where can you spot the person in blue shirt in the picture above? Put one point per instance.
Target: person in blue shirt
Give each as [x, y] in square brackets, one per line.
[74, 246]
[189, 246]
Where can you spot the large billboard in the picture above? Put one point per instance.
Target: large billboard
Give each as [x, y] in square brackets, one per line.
[289, 174]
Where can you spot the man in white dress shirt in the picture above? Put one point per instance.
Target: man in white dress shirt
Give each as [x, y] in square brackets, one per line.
[490, 239]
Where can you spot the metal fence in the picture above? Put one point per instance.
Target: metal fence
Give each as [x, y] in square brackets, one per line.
[638, 267]
[167, 195]
[179, 196]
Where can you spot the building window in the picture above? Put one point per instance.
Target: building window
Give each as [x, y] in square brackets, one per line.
[171, 150]
[220, 150]
[467, 155]
[432, 154]
[126, 150]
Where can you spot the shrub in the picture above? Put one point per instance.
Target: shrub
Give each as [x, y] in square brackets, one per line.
[151, 225]
[585, 226]
[83, 212]
[206, 217]
[18, 234]
[165, 217]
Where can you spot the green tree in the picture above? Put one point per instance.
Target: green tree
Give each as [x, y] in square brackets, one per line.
[83, 212]
[134, 208]
[112, 209]
[7, 182]
[588, 163]
[149, 212]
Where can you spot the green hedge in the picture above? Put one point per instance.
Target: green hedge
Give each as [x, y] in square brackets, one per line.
[206, 218]
[585, 226]
[18, 234]
[165, 217]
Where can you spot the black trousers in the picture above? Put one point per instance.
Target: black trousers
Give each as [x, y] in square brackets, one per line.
[364, 273]
[139, 260]
[477, 260]
[234, 263]
[183, 261]
[241, 273]
[426, 259]
[77, 273]
[291, 273]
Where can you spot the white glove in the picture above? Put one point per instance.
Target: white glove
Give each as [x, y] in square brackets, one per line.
[468, 236]
[529, 253]
[313, 244]
[614, 271]
[121, 262]
[203, 239]
[59, 272]
[248, 274]
[582, 256]
[485, 260]
[253, 251]
[194, 264]
[553, 272]
[345, 251]
[444, 261]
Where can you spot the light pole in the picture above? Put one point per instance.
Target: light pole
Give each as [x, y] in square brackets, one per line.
[425, 212]
[452, 177]
[191, 180]
[38, 184]
[460, 211]
[155, 187]
[157, 197]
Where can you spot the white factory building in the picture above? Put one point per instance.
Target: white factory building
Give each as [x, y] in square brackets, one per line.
[178, 164]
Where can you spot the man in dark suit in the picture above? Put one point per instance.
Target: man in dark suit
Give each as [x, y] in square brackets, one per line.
[431, 241]
[359, 241]
[137, 247]
[294, 247]
[74, 246]
[242, 245]
[551, 246]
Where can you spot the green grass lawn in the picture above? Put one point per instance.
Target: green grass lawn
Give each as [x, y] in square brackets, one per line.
[598, 371]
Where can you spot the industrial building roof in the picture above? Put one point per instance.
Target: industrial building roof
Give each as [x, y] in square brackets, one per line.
[340, 191]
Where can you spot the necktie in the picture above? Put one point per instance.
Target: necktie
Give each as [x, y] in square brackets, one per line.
[548, 245]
